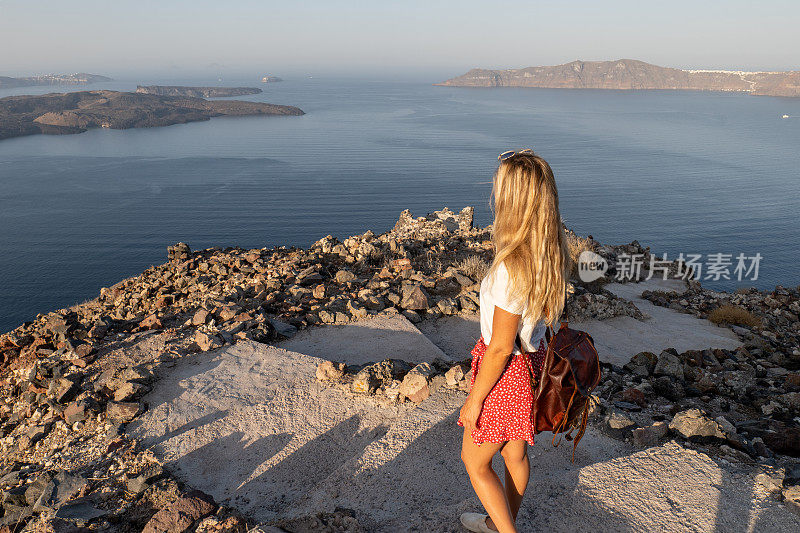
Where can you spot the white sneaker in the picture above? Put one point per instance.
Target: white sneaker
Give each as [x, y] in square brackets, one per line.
[476, 522]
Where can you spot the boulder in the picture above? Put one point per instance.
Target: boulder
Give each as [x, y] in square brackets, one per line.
[283, 329]
[58, 491]
[343, 276]
[122, 411]
[415, 383]
[618, 421]
[366, 381]
[414, 298]
[128, 390]
[694, 423]
[669, 364]
[207, 341]
[454, 375]
[330, 370]
[649, 435]
[642, 364]
[180, 515]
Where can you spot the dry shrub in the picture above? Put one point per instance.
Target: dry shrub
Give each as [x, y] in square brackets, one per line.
[576, 246]
[473, 266]
[731, 314]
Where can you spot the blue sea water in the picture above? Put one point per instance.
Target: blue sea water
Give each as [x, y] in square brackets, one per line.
[687, 172]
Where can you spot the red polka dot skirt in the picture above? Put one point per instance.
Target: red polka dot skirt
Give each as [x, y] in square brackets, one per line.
[506, 413]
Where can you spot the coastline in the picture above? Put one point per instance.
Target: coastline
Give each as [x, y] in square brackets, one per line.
[73, 375]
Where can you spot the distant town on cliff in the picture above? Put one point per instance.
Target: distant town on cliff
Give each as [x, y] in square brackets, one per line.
[631, 74]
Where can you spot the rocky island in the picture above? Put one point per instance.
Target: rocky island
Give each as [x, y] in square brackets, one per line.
[305, 390]
[76, 112]
[81, 78]
[196, 92]
[630, 74]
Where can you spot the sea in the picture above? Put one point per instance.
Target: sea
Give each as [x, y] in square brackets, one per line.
[714, 176]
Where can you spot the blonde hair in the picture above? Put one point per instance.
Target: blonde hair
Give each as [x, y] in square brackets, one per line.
[528, 235]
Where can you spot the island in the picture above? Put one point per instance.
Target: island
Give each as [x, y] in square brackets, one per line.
[80, 78]
[270, 79]
[76, 112]
[196, 92]
[629, 74]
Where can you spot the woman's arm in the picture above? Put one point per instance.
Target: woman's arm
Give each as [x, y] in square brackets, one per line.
[504, 331]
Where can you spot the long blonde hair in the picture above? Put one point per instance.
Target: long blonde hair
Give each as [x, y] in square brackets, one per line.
[528, 235]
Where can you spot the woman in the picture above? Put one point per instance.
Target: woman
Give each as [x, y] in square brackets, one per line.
[522, 293]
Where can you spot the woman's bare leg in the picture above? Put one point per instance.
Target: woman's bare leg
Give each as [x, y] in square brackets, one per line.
[478, 460]
[518, 472]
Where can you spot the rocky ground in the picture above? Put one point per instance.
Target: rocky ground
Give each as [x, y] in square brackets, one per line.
[73, 379]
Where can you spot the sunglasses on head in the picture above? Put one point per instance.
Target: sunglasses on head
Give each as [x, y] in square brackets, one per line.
[512, 153]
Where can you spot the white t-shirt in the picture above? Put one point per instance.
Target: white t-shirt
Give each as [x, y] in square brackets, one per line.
[496, 292]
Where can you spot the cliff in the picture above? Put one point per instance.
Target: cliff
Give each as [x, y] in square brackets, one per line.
[59, 113]
[628, 74]
[196, 92]
[115, 409]
[80, 78]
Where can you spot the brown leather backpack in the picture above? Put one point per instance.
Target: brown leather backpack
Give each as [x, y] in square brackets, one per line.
[562, 396]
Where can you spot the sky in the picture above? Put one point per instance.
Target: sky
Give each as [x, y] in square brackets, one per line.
[393, 38]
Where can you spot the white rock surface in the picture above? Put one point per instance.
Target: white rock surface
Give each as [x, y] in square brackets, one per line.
[250, 425]
[373, 339]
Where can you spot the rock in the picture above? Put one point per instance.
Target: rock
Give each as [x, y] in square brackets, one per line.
[365, 382]
[628, 406]
[412, 316]
[633, 395]
[792, 476]
[180, 515]
[340, 520]
[128, 390]
[772, 482]
[414, 298]
[207, 341]
[34, 435]
[200, 317]
[464, 384]
[58, 491]
[392, 390]
[791, 496]
[62, 390]
[783, 439]
[151, 322]
[13, 515]
[141, 482]
[80, 511]
[231, 524]
[642, 364]
[669, 365]
[14, 496]
[283, 329]
[76, 411]
[330, 370]
[668, 388]
[693, 423]
[343, 276]
[35, 489]
[178, 252]
[454, 375]
[617, 420]
[319, 291]
[122, 411]
[415, 384]
[727, 428]
[649, 435]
